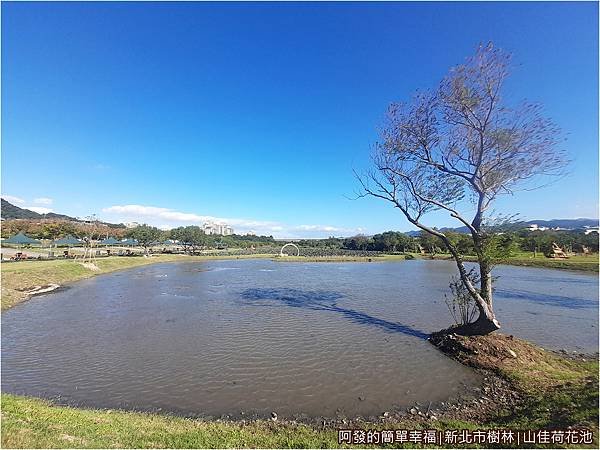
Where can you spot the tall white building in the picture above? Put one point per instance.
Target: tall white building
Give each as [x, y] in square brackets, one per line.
[217, 228]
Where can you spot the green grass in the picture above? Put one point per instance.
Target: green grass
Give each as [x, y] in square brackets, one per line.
[585, 263]
[559, 392]
[34, 423]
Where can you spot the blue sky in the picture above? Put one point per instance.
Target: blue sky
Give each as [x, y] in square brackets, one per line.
[256, 114]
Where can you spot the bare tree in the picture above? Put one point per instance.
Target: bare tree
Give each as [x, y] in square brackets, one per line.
[457, 148]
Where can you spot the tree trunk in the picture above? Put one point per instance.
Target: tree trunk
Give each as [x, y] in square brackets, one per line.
[485, 274]
[486, 321]
[482, 326]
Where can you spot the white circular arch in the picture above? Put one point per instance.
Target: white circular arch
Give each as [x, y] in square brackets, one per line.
[292, 245]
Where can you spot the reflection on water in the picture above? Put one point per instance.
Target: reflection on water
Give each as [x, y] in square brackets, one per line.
[562, 301]
[324, 301]
[223, 337]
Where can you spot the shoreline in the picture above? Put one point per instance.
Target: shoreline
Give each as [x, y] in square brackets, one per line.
[518, 392]
[515, 394]
[546, 263]
[20, 279]
[472, 401]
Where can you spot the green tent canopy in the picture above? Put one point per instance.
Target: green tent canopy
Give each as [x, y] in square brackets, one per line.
[20, 239]
[67, 240]
[110, 241]
[129, 242]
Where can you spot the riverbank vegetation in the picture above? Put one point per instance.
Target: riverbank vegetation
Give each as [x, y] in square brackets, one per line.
[552, 391]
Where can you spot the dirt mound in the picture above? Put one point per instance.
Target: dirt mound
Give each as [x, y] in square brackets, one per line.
[526, 380]
[491, 352]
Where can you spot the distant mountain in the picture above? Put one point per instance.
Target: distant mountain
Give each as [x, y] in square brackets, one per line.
[10, 211]
[569, 224]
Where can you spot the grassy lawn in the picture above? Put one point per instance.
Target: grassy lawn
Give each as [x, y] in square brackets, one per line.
[33, 423]
[585, 263]
[577, 262]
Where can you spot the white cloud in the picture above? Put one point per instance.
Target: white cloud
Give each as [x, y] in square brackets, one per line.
[43, 201]
[13, 200]
[19, 201]
[39, 209]
[327, 228]
[166, 218]
[153, 212]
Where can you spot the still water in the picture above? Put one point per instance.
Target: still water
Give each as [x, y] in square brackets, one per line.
[255, 336]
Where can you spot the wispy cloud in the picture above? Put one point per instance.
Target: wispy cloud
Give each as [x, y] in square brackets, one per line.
[166, 218]
[327, 228]
[39, 209]
[12, 199]
[43, 201]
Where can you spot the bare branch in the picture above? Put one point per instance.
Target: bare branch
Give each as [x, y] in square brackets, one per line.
[461, 141]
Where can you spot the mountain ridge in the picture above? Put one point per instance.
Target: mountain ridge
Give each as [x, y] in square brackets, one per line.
[10, 211]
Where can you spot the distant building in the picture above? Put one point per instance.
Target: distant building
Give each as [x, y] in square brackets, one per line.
[251, 233]
[589, 230]
[131, 225]
[217, 228]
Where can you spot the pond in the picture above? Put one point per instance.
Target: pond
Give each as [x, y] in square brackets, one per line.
[255, 336]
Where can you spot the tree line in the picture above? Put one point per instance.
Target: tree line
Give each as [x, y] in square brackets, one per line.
[502, 244]
[192, 238]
